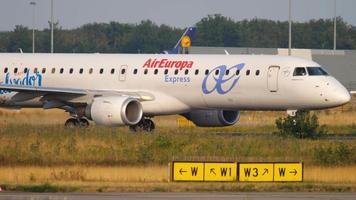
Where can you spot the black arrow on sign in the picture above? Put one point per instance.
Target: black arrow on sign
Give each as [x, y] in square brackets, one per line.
[293, 172]
[265, 171]
[212, 171]
[181, 171]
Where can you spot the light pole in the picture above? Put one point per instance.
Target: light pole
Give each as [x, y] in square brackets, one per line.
[52, 27]
[33, 4]
[334, 25]
[290, 29]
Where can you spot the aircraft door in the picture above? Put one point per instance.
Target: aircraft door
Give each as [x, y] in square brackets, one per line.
[272, 78]
[123, 72]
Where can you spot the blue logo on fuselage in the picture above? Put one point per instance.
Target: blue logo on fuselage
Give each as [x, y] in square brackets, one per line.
[28, 79]
[222, 79]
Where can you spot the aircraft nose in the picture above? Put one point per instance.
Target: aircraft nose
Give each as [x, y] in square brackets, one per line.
[338, 94]
[342, 96]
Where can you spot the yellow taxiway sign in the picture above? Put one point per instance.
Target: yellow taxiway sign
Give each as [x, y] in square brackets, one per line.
[203, 171]
[288, 172]
[187, 171]
[220, 172]
[256, 172]
[231, 171]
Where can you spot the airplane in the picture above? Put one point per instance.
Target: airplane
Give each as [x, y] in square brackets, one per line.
[185, 40]
[131, 89]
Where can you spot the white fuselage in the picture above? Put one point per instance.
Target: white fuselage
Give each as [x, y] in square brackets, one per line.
[263, 82]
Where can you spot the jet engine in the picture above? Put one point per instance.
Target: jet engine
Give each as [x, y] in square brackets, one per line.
[114, 111]
[213, 118]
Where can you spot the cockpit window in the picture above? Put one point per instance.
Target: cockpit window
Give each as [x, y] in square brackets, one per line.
[317, 71]
[299, 71]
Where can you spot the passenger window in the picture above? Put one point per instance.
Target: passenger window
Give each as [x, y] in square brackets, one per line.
[81, 71]
[196, 71]
[257, 72]
[135, 71]
[146, 71]
[15, 70]
[53, 70]
[123, 71]
[71, 70]
[112, 71]
[6, 70]
[101, 71]
[227, 72]
[299, 71]
[206, 72]
[217, 72]
[248, 72]
[186, 72]
[61, 70]
[25, 70]
[91, 70]
[156, 71]
[43, 70]
[176, 71]
[166, 71]
[237, 72]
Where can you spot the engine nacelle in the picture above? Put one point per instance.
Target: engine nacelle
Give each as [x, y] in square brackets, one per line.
[114, 111]
[213, 118]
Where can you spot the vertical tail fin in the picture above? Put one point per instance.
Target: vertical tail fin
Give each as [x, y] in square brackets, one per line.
[188, 36]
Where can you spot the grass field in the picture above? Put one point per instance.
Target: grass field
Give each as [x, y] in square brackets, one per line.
[38, 154]
[52, 145]
[155, 178]
[146, 174]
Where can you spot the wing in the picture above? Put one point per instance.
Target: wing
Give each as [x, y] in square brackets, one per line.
[23, 88]
[51, 96]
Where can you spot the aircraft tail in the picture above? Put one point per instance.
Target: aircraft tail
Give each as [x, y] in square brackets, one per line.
[187, 37]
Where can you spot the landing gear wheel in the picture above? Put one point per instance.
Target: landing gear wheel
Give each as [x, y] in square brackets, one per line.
[146, 125]
[84, 123]
[71, 123]
[133, 128]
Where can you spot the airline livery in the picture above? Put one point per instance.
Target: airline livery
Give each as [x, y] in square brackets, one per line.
[130, 89]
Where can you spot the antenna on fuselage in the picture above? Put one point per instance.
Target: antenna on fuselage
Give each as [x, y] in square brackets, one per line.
[20, 49]
[226, 52]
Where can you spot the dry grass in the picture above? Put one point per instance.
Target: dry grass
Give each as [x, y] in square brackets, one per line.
[32, 116]
[340, 174]
[345, 174]
[80, 175]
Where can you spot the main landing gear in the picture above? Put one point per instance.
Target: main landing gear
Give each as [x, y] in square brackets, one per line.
[144, 125]
[77, 122]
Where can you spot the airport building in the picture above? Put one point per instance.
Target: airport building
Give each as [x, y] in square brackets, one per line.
[340, 63]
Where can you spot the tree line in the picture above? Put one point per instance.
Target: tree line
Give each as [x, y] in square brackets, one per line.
[213, 30]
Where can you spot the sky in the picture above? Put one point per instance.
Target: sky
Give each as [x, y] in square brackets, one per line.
[176, 13]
